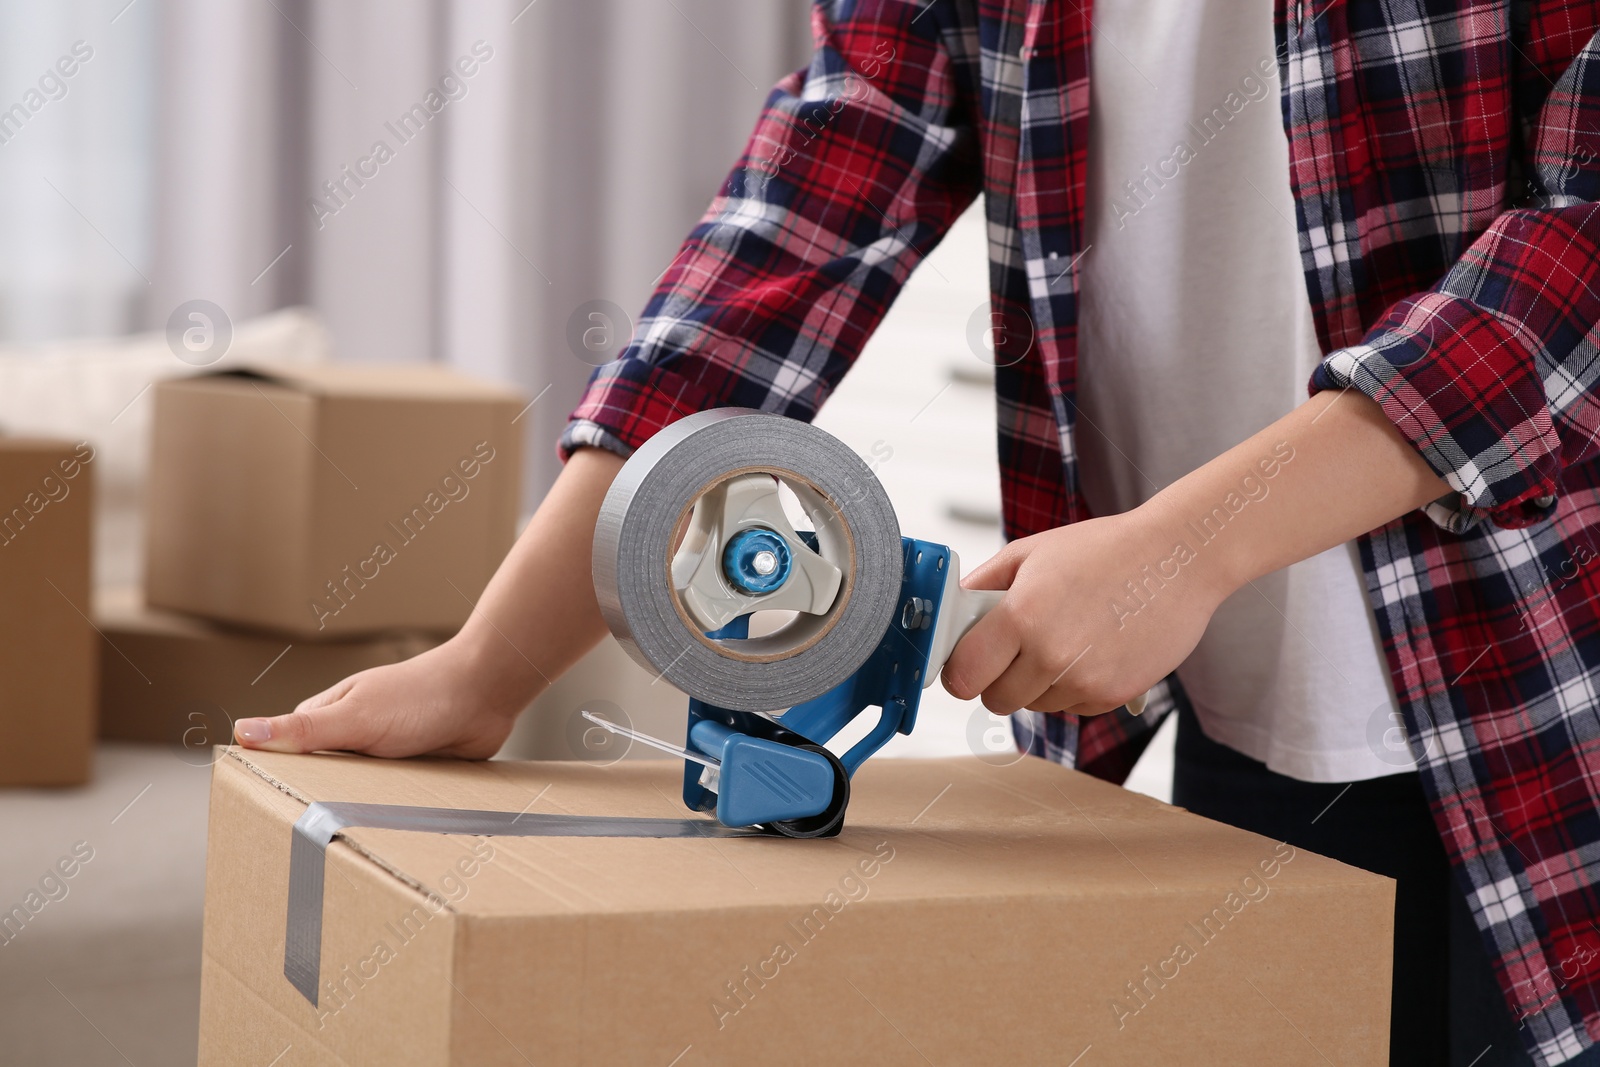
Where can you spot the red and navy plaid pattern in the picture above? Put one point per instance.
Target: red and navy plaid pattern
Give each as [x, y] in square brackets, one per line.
[1445, 159]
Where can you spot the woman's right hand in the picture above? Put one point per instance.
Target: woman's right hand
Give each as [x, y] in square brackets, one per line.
[437, 703]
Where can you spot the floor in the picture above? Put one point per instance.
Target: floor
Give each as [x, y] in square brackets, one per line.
[109, 972]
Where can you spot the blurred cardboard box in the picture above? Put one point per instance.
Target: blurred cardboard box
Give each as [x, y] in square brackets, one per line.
[47, 646]
[969, 913]
[329, 501]
[179, 680]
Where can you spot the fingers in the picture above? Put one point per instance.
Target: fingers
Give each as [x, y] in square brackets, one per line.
[1009, 660]
[1077, 696]
[982, 656]
[1025, 681]
[329, 695]
[333, 727]
[1031, 678]
[320, 722]
[998, 571]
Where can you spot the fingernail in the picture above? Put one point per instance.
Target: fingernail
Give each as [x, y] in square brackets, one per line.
[253, 731]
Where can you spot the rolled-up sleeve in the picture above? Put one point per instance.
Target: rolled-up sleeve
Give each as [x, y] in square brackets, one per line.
[856, 169]
[1494, 373]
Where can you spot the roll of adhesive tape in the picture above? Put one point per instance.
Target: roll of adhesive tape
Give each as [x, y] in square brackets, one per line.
[638, 530]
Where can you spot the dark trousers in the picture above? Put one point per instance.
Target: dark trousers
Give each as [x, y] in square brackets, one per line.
[1446, 1007]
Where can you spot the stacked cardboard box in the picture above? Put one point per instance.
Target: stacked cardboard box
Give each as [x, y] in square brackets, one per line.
[174, 679]
[329, 501]
[304, 523]
[47, 645]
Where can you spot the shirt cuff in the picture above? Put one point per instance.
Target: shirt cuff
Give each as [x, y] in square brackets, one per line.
[586, 433]
[627, 402]
[1462, 387]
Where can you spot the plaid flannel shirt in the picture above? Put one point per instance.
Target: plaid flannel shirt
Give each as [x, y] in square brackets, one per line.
[1445, 163]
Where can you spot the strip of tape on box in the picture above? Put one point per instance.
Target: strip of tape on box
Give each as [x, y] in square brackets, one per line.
[322, 822]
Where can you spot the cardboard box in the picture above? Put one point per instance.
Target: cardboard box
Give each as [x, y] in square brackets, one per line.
[47, 647]
[969, 914]
[178, 680]
[329, 501]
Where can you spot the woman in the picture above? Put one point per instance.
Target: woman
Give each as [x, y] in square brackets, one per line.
[1171, 255]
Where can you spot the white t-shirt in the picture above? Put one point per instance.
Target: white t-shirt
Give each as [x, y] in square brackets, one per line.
[1195, 332]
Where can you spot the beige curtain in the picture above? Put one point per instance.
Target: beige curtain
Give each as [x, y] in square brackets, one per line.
[449, 181]
[77, 107]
